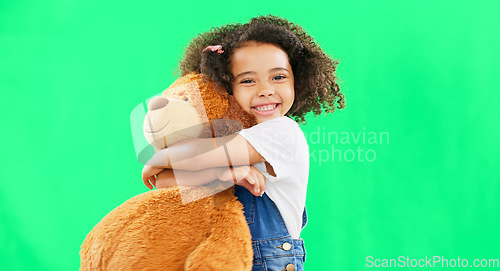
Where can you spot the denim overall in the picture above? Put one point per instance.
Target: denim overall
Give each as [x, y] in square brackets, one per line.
[273, 247]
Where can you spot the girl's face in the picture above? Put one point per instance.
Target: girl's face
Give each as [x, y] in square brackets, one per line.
[263, 80]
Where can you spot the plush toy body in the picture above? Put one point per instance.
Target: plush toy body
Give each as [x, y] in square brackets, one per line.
[155, 230]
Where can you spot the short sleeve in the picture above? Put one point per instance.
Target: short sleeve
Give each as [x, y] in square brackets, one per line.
[282, 144]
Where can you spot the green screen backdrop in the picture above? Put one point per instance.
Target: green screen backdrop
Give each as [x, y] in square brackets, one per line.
[408, 169]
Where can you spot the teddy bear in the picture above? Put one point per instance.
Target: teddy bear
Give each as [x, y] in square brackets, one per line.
[178, 228]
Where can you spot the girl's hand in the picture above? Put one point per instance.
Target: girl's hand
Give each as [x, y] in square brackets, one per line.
[165, 179]
[247, 176]
[148, 175]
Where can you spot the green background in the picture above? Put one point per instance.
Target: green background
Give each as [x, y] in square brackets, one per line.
[424, 73]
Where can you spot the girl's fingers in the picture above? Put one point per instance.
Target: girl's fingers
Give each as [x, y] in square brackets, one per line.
[256, 187]
[262, 182]
[252, 188]
[247, 185]
[146, 182]
[247, 176]
[250, 179]
[149, 182]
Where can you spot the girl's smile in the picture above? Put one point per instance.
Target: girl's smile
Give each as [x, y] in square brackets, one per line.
[265, 110]
[263, 80]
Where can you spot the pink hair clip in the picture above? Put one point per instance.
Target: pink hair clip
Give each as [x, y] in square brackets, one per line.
[214, 48]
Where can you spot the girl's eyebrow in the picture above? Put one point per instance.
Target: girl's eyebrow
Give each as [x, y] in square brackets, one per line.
[252, 72]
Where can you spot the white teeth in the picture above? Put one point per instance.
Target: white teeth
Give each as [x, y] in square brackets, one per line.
[266, 107]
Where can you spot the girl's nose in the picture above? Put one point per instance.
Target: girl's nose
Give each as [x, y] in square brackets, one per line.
[266, 91]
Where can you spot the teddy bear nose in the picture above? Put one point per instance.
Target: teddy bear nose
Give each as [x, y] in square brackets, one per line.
[157, 103]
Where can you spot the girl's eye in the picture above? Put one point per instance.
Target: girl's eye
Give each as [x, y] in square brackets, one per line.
[246, 81]
[279, 77]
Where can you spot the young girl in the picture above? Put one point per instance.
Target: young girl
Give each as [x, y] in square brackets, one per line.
[275, 71]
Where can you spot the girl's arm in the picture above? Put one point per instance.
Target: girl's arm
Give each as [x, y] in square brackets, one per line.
[167, 178]
[202, 153]
[246, 176]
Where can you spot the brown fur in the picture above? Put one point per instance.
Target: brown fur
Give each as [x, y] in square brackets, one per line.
[156, 231]
[216, 104]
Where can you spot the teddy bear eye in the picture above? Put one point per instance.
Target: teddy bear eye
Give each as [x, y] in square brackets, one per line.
[186, 99]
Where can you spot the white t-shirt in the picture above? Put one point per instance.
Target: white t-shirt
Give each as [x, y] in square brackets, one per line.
[281, 142]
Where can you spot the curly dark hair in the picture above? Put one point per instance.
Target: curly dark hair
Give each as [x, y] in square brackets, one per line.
[316, 89]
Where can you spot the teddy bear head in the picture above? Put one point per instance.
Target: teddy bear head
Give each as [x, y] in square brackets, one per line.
[192, 107]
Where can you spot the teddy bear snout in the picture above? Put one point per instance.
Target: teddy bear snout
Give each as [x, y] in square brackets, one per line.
[157, 103]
